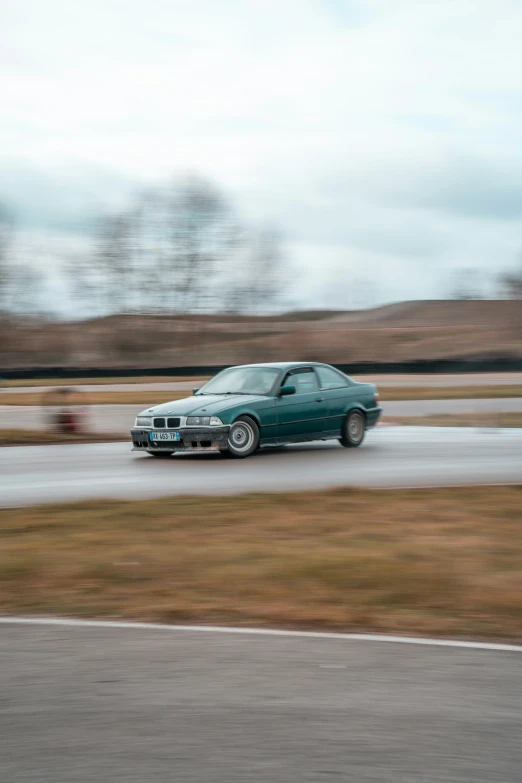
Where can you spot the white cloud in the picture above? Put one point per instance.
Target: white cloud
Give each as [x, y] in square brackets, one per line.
[388, 130]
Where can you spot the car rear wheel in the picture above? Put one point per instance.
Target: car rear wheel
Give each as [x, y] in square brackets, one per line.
[354, 427]
[243, 438]
[160, 453]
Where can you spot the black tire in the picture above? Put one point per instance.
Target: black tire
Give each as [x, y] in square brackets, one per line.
[243, 438]
[161, 454]
[353, 430]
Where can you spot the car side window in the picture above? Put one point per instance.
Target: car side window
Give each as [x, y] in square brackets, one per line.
[330, 379]
[304, 380]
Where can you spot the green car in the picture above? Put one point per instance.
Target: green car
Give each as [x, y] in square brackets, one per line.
[245, 408]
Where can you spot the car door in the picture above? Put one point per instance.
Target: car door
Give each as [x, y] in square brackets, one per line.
[301, 416]
[335, 388]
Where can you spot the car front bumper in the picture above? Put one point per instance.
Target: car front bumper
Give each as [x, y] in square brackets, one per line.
[191, 439]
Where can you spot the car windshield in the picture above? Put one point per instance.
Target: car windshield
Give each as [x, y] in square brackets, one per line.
[242, 380]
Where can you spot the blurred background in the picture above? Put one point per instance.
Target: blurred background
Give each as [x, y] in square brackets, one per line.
[176, 180]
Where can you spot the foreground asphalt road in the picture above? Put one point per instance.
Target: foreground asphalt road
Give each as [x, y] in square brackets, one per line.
[120, 418]
[135, 705]
[389, 457]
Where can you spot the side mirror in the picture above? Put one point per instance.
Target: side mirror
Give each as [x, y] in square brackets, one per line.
[195, 391]
[284, 391]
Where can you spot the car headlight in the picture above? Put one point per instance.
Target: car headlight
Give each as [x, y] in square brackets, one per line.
[143, 421]
[203, 421]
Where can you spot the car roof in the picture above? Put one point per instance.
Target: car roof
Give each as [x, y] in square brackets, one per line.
[283, 365]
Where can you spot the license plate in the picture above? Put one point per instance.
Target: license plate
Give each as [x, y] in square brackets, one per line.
[164, 436]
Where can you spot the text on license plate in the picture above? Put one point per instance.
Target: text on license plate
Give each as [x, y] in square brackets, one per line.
[164, 436]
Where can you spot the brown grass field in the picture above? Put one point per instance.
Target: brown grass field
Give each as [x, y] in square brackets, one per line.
[94, 398]
[154, 397]
[449, 392]
[461, 420]
[442, 562]
[404, 331]
[18, 437]
[68, 382]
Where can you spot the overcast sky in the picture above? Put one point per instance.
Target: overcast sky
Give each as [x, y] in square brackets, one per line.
[382, 136]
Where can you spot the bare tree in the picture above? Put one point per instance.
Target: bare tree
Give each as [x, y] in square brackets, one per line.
[258, 276]
[511, 288]
[202, 229]
[511, 284]
[179, 248]
[86, 290]
[466, 284]
[26, 284]
[114, 259]
[109, 280]
[6, 235]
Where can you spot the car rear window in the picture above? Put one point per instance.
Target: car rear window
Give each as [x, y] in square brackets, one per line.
[330, 379]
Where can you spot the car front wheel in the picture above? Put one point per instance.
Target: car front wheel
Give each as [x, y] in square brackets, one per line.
[352, 433]
[243, 438]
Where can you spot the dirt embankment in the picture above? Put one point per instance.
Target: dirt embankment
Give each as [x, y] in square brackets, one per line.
[410, 331]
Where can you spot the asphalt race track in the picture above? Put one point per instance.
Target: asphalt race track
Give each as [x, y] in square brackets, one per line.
[137, 705]
[389, 457]
[121, 704]
[120, 418]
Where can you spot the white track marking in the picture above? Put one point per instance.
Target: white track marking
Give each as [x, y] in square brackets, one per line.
[356, 637]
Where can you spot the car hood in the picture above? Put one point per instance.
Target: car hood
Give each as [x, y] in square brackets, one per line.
[201, 405]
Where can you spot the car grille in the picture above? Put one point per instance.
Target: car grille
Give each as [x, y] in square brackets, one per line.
[171, 424]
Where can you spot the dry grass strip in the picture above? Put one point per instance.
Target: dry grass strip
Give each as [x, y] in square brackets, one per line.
[143, 398]
[16, 437]
[441, 562]
[29, 382]
[488, 420]
[154, 397]
[449, 392]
